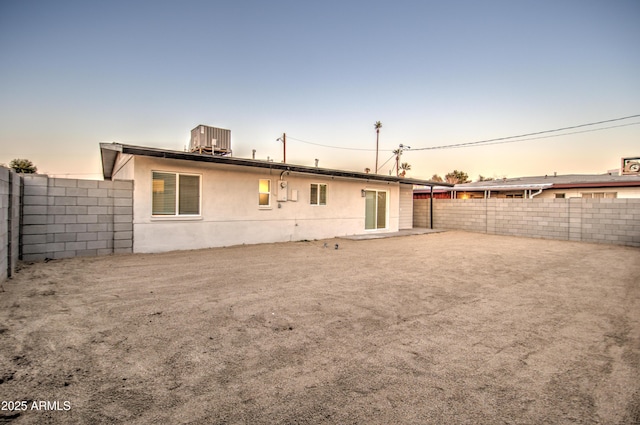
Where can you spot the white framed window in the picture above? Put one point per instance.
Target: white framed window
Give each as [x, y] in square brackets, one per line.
[318, 195]
[590, 195]
[175, 194]
[264, 193]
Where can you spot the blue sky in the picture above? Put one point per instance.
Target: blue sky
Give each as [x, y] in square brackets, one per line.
[74, 74]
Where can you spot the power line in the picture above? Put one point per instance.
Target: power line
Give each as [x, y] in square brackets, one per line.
[462, 145]
[387, 161]
[338, 147]
[501, 139]
[495, 141]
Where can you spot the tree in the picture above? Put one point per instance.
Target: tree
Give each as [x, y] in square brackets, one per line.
[397, 153]
[405, 166]
[377, 126]
[482, 178]
[457, 177]
[23, 166]
[436, 178]
[398, 166]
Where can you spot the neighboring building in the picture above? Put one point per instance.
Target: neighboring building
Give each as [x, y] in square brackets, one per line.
[438, 192]
[556, 186]
[187, 200]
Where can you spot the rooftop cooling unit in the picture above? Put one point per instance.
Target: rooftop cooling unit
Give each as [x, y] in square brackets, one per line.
[211, 140]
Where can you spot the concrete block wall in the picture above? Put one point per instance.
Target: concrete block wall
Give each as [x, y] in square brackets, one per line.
[9, 222]
[615, 221]
[470, 215]
[15, 209]
[4, 223]
[64, 218]
[611, 221]
[535, 218]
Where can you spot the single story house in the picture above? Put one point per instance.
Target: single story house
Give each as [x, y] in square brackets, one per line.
[557, 186]
[190, 200]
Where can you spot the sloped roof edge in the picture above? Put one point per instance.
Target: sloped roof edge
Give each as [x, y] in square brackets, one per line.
[109, 153]
[568, 181]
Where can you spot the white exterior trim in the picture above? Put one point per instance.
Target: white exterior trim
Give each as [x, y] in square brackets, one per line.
[177, 215]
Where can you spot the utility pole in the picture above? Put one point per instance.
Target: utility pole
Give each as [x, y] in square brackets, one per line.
[283, 139]
[398, 155]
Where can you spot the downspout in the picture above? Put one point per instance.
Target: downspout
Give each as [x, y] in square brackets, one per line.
[531, 195]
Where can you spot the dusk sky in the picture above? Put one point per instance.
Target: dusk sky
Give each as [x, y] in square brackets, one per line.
[77, 73]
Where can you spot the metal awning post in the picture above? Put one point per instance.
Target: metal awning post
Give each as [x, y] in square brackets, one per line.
[431, 209]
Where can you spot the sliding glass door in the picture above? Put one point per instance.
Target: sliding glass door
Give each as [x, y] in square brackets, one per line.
[375, 209]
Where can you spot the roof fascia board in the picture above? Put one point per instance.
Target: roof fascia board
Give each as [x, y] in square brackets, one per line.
[188, 156]
[109, 154]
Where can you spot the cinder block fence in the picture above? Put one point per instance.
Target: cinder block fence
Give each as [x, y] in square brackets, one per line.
[615, 221]
[9, 222]
[68, 217]
[43, 217]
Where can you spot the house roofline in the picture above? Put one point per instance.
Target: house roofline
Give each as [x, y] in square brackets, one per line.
[110, 151]
[502, 187]
[596, 185]
[545, 186]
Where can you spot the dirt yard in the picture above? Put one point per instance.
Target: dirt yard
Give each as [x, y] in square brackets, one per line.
[447, 328]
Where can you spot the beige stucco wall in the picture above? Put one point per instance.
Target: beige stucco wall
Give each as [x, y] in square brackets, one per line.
[230, 214]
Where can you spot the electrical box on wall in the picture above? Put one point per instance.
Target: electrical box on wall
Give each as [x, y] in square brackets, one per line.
[294, 195]
[282, 190]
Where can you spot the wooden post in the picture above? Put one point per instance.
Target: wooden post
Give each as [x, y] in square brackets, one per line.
[284, 147]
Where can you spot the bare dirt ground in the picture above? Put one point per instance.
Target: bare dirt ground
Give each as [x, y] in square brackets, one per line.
[448, 328]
